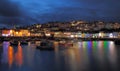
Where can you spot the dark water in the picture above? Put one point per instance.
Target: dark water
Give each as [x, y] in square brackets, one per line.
[82, 56]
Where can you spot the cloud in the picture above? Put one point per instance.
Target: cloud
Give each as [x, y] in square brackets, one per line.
[83, 9]
[9, 9]
[11, 13]
[25, 12]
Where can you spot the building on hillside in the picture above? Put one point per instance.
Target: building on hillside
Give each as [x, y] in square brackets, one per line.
[14, 32]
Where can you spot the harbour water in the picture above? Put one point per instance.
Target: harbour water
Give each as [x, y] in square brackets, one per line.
[81, 56]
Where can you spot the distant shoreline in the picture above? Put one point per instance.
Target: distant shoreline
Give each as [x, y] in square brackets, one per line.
[55, 38]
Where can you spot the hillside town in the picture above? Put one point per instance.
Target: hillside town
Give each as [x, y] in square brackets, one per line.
[66, 29]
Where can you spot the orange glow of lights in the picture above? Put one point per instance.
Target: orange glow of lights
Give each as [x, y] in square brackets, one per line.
[19, 56]
[16, 32]
[20, 33]
[11, 31]
[10, 55]
[28, 34]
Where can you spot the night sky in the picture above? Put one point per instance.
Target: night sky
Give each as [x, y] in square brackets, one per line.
[25, 12]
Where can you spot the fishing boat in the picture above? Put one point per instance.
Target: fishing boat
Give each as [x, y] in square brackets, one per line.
[117, 42]
[24, 42]
[14, 43]
[46, 45]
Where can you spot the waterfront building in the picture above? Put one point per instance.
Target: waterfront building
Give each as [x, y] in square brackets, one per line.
[6, 32]
[14, 32]
[21, 32]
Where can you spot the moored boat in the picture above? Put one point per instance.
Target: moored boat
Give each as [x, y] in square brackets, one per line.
[46, 45]
[117, 42]
[14, 43]
[23, 42]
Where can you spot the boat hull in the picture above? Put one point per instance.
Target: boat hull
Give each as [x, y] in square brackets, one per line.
[45, 48]
[117, 42]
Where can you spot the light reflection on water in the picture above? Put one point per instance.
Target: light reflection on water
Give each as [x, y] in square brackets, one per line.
[84, 56]
[10, 55]
[19, 56]
[5, 52]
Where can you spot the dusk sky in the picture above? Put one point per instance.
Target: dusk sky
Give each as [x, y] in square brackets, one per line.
[25, 12]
